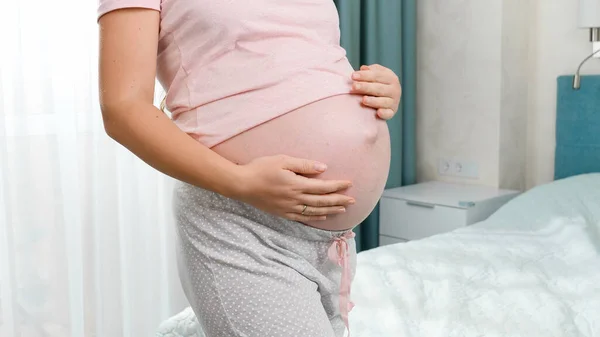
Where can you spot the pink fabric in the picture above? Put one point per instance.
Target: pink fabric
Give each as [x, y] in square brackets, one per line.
[106, 6]
[340, 254]
[228, 66]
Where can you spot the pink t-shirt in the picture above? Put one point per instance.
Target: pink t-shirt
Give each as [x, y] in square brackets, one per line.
[228, 66]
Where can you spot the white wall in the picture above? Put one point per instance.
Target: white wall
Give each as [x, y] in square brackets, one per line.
[487, 85]
[558, 47]
[514, 64]
[457, 77]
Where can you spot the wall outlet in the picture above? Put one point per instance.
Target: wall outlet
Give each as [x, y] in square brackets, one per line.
[444, 167]
[458, 168]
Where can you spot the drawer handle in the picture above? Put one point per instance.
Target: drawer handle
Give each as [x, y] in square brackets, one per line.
[420, 204]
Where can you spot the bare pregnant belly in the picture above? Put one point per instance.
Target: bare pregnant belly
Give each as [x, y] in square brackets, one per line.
[337, 131]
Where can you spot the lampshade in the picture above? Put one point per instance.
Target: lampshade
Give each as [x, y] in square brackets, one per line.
[589, 13]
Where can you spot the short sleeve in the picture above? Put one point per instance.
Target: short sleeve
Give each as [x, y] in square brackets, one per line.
[106, 6]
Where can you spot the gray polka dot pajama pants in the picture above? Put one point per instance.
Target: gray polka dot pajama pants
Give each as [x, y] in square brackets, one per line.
[247, 273]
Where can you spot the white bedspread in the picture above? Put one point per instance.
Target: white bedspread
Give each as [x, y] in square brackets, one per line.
[532, 269]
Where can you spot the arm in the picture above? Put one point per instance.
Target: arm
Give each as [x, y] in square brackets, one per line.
[128, 48]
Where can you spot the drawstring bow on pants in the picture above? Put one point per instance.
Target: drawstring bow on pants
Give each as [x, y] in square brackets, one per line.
[339, 253]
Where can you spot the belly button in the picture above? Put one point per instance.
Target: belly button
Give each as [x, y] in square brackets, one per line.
[370, 135]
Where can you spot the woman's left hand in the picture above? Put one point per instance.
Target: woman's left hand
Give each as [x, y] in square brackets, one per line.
[380, 87]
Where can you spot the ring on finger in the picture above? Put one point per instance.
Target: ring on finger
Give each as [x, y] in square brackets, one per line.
[304, 207]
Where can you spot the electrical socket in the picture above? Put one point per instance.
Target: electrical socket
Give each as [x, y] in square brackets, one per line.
[444, 167]
[458, 168]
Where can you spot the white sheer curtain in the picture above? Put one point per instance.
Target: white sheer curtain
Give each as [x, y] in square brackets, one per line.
[86, 237]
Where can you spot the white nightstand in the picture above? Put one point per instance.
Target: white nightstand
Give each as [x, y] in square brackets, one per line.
[421, 210]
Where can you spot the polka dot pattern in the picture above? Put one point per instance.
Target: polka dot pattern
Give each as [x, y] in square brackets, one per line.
[248, 273]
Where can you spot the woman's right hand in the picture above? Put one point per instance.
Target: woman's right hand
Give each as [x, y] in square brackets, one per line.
[277, 185]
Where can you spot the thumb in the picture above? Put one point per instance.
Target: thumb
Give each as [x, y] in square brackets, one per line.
[303, 166]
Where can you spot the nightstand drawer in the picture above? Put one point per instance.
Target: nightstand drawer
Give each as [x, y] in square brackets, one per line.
[415, 220]
[388, 240]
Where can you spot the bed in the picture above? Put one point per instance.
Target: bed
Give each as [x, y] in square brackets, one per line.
[531, 269]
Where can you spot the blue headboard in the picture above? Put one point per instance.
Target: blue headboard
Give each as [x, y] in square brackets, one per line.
[577, 127]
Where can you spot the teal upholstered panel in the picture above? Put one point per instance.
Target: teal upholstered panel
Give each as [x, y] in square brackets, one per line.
[577, 127]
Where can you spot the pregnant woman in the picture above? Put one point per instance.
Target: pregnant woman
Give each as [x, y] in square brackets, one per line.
[279, 146]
